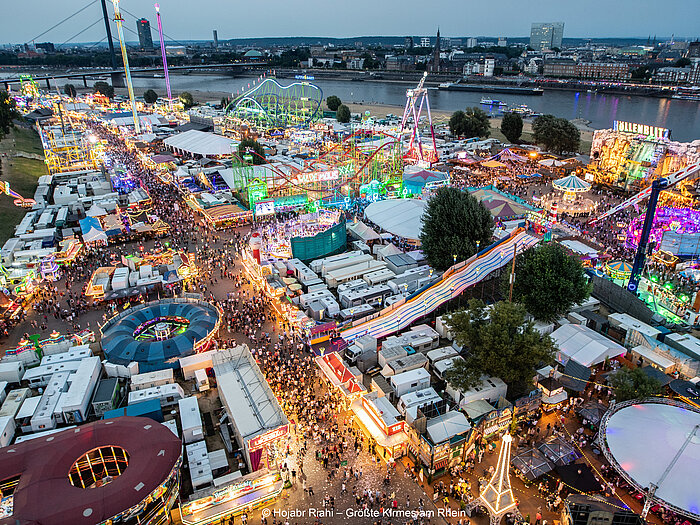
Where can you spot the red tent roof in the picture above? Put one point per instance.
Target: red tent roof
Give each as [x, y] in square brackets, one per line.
[44, 493]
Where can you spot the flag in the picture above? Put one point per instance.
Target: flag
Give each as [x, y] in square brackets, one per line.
[344, 463]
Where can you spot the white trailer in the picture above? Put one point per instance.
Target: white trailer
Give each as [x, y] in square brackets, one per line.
[191, 419]
[7, 430]
[152, 379]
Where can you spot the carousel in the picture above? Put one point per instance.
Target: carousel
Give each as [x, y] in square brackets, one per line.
[569, 197]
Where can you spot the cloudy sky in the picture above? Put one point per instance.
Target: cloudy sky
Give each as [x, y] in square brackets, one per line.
[24, 20]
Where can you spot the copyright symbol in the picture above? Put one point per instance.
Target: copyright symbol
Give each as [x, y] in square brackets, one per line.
[266, 513]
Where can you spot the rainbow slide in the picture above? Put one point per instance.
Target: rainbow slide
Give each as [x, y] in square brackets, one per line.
[453, 282]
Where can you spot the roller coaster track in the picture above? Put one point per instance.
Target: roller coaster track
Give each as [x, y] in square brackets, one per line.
[452, 283]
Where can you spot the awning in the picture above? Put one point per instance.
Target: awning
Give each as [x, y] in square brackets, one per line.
[377, 433]
[555, 399]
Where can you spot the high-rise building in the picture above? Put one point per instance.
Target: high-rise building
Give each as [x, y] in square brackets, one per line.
[408, 42]
[144, 30]
[216, 39]
[546, 35]
[472, 42]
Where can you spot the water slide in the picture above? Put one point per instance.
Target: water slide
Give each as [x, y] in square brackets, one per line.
[453, 282]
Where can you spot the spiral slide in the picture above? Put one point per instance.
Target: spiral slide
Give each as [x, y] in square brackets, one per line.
[453, 282]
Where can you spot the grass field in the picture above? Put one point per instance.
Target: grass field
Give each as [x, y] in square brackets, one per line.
[21, 173]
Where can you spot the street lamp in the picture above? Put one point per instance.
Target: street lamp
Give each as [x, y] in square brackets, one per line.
[454, 258]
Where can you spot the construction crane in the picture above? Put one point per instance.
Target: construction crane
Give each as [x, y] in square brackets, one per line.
[652, 192]
[417, 97]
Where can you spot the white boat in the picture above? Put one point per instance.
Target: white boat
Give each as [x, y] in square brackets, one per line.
[488, 101]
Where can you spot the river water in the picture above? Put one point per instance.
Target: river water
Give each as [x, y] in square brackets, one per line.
[682, 117]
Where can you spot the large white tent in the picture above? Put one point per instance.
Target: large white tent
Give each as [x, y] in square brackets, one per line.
[585, 346]
[196, 142]
[401, 217]
[658, 443]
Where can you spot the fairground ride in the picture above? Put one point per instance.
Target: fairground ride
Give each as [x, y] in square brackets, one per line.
[70, 150]
[269, 106]
[340, 171]
[19, 201]
[416, 98]
[652, 192]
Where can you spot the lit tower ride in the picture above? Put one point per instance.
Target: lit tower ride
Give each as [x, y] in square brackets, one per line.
[118, 19]
[165, 60]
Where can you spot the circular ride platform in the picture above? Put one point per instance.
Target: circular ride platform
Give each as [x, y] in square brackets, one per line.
[157, 334]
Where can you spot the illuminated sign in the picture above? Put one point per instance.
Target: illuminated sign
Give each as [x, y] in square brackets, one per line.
[259, 441]
[265, 208]
[316, 176]
[228, 493]
[642, 129]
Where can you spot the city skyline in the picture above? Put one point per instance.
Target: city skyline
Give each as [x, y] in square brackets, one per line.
[624, 19]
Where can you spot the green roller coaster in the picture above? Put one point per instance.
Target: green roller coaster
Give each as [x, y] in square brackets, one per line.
[270, 105]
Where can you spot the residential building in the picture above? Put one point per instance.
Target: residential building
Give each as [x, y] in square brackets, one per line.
[559, 67]
[400, 63]
[408, 42]
[144, 30]
[471, 42]
[489, 67]
[502, 42]
[546, 35]
[425, 42]
[603, 70]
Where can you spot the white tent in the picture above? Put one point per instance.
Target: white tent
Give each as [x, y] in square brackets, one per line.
[402, 217]
[585, 346]
[96, 211]
[197, 142]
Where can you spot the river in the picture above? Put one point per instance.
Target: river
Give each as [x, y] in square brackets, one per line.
[682, 117]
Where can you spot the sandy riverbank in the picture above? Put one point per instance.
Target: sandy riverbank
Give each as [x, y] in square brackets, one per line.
[382, 110]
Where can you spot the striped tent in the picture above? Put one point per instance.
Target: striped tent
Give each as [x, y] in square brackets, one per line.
[571, 183]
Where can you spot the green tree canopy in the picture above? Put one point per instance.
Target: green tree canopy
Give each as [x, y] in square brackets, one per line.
[499, 343]
[104, 88]
[333, 103]
[150, 96]
[472, 122]
[548, 281]
[682, 62]
[455, 223]
[187, 99]
[254, 149]
[512, 126]
[8, 113]
[634, 383]
[69, 89]
[556, 134]
[343, 114]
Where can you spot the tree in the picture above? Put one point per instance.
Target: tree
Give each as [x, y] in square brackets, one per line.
[556, 134]
[254, 149]
[634, 383]
[512, 126]
[106, 89]
[455, 226]
[150, 96]
[187, 99]
[343, 113]
[548, 282]
[457, 123]
[641, 73]
[69, 89]
[477, 123]
[499, 343]
[8, 113]
[333, 103]
[682, 62]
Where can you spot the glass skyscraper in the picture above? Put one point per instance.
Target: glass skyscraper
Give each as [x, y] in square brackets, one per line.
[546, 35]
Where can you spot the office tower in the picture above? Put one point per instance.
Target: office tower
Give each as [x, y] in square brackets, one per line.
[546, 35]
[216, 39]
[144, 30]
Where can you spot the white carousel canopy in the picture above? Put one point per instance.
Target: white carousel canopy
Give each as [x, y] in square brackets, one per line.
[571, 183]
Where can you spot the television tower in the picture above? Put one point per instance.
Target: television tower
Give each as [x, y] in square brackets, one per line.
[165, 59]
[118, 19]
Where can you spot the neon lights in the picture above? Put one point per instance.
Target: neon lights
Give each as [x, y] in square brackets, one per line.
[267, 438]
[317, 176]
[118, 19]
[642, 129]
[165, 60]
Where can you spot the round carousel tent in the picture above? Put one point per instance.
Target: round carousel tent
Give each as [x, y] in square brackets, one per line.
[571, 183]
